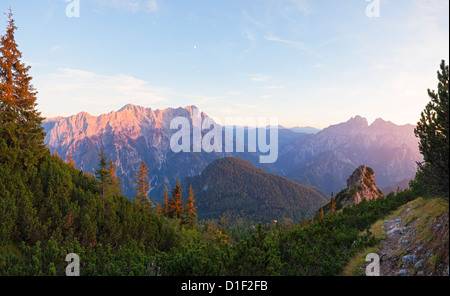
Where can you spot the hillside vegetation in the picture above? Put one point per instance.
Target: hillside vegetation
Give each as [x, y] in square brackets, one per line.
[56, 209]
[233, 188]
[49, 209]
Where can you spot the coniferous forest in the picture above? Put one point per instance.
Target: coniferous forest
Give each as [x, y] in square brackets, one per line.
[49, 208]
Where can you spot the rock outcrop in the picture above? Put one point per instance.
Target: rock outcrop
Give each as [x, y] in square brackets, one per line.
[360, 186]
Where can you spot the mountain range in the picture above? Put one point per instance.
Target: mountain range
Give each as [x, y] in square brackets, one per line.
[129, 136]
[327, 158]
[323, 159]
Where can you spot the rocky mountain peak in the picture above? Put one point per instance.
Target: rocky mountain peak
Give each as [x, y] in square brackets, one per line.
[357, 177]
[132, 109]
[191, 108]
[381, 125]
[355, 125]
[128, 136]
[360, 185]
[380, 122]
[357, 121]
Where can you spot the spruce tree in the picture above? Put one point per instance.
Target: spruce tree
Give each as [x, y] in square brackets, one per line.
[114, 182]
[159, 210]
[432, 130]
[102, 172]
[20, 121]
[176, 207]
[165, 205]
[333, 204]
[304, 222]
[321, 214]
[70, 161]
[143, 183]
[223, 226]
[190, 210]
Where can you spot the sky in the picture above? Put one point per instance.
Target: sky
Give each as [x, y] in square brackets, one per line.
[305, 62]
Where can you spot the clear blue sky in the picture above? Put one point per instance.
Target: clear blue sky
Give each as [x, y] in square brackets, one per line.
[306, 62]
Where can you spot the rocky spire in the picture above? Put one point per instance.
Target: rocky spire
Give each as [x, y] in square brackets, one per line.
[360, 185]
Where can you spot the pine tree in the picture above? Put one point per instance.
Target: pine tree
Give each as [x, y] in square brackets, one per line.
[102, 172]
[190, 211]
[70, 161]
[176, 207]
[333, 204]
[304, 222]
[165, 205]
[20, 122]
[143, 183]
[114, 182]
[321, 214]
[432, 130]
[55, 154]
[159, 210]
[206, 228]
[223, 226]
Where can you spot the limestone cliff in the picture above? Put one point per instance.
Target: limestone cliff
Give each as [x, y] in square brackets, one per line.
[360, 185]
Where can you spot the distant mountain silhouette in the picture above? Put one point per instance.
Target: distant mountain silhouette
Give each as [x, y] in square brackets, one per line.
[327, 158]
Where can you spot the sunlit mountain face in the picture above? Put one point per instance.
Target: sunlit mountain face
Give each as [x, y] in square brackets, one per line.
[323, 159]
[129, 136]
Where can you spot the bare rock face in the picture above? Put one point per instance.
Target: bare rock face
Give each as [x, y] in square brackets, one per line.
[360, 185]
[129, 136]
